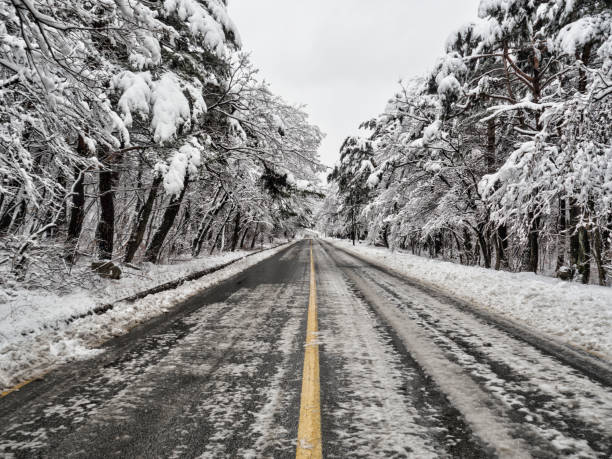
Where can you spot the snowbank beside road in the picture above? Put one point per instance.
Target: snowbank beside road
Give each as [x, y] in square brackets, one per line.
[578, 314]
[35, 334]
[26, 311]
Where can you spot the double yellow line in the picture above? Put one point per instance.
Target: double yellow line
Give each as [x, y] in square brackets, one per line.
[309, 428]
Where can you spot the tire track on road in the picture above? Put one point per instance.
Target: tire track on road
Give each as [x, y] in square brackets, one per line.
[377, 402]
[534, 408]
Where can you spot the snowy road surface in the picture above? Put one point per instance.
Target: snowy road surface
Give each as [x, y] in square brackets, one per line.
[403, 373]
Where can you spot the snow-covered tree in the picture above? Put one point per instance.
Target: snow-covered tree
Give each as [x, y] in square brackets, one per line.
[500, 155]
[136, 129]
[350, 174]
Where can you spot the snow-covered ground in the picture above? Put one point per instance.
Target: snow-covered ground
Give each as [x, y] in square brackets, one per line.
[35, 335]
[577, 314]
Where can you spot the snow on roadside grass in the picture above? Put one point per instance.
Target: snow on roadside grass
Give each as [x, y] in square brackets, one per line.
[34, 334]
[577, 314]
[29, 311]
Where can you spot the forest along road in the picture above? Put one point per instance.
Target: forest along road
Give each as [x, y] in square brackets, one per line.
[401, 373]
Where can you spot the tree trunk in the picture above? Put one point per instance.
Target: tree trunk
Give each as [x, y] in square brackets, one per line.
[12, 212]
[353, 229]
[484, 246]
[7, 214]
[244, 235]
[236, 231]
[501, 247]
[203, 223]
[458, 243]
[57, 219]
[574, 239]
[255, 234]
[221, 230]
[582, 76]
[105, 230]
[598, 250]
[222, 247]
[580, 249]
[490, 157]
[77, 212]
[18, 216]
[206, 223]
[385, 235]
[584, 257]
[467, 243]
[562, 231]
[168, 218]
[140, 226]
[437, 244]
[149, 231]
[533, 248]
[533, 245]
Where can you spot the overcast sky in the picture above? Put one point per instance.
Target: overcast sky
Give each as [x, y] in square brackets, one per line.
[343, 58]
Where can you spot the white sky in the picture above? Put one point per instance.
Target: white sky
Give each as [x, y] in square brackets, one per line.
[343, 58]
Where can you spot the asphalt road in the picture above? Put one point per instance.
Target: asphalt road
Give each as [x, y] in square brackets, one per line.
[403, 373]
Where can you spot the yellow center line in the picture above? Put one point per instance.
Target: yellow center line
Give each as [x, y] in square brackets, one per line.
[20, 385]
[309, 428]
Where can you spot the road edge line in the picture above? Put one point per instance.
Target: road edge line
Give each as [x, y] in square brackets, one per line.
[22, 384]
